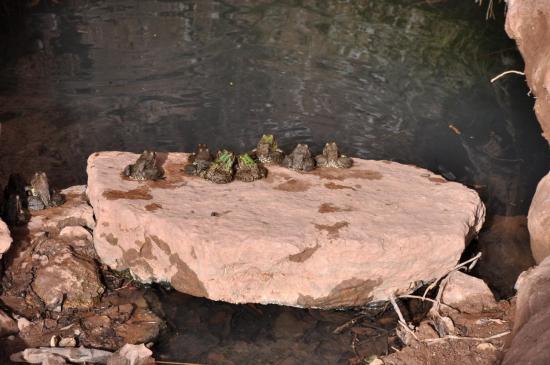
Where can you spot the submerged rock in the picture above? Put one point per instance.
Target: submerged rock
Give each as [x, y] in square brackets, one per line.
[5, 238]
[539, 220]
[327, 238]
[531, 333]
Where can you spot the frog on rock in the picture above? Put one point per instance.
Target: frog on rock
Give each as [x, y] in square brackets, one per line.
[39, 195]
[221, 170]
[145, 168]
[249, 170]
[300, 159]
[332, 158]
[266, 150]
[199, 161]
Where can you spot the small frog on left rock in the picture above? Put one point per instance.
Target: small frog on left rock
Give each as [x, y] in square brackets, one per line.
[39, 195]
[145, 168]
[249, 170]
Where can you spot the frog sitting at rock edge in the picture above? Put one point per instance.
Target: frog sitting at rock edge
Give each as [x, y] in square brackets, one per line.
[221, 170]
[300, 159]
[332, 158]
[199, 161]
[39, 194]
[145, 168]
[249, 170]
[266, 150]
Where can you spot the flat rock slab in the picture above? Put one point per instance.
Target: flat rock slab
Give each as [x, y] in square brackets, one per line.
[5, 238]
[328, 238]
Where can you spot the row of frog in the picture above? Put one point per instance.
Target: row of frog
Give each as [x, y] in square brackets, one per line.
[19, 198]
[246, 167]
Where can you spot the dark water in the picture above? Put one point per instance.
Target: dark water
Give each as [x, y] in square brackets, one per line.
[398, 80]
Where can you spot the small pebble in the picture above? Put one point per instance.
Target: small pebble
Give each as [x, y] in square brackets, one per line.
[486, 346]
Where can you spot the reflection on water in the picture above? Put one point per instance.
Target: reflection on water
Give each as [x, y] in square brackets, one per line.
[385, 79]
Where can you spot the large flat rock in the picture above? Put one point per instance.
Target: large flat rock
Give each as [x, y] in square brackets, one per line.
[328, 238]
[5, 238]
[538, 220]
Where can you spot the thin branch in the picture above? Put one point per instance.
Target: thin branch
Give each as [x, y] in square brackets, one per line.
[472, 260]
[408, 296]
[176, 363]
[452, 337]
[401, 321]
[506, 73]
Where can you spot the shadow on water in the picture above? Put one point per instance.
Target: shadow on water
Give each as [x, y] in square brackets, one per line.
[398, 80]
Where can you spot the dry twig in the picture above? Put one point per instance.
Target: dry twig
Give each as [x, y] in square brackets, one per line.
[506, 73]
[401, 321]
[176, 363]
[452, 337]
[473, 261]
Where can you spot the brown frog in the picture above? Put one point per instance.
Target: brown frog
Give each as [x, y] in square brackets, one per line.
[145, 168]
[249, 170]
[266, 150]
[39, 195]
[332, 158]
[199, 161]
[221, 170]
[300, 159]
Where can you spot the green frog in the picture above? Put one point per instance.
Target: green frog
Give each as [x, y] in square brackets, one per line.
[220, 170]
[145, 168]
[332, 158]
[249, 170]
[300, 159]
[266, 150]
[39, 195]
[199, 161]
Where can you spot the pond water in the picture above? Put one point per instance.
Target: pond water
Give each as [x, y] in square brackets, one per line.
[398, 80]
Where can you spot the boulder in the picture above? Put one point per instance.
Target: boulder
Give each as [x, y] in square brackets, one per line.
[531, 333]
[63, 279]
[467, 294]
[527, 22]
[5, 238]
[538, 220]
[328, 238]
[52, 278]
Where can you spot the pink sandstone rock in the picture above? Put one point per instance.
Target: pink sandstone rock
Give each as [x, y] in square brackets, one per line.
[5, 238]
[328, 238]
[531, 333]
[467, 294]
[538, 220]
[527, 22]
